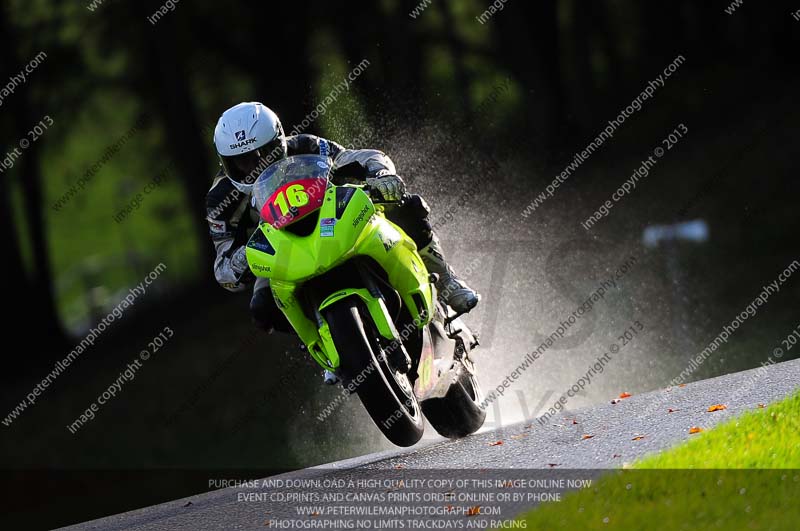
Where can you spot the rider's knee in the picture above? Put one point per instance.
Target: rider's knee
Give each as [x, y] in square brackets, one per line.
[412, 217]
[417, 206]
[265, 312]
[259, 306]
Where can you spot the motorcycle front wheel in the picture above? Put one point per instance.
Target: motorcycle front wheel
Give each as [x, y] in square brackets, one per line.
[387, 394]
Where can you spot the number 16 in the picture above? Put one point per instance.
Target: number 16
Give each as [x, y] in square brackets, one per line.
[294, 196]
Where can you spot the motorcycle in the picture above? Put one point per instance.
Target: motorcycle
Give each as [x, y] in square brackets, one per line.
[357, 293]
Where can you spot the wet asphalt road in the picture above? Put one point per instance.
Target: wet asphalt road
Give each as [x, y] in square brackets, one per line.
[557, 448]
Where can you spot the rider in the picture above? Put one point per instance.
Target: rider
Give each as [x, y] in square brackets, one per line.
[249, 137]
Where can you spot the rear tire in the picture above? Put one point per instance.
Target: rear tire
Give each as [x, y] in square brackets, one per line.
[458, 413]
[387, 395]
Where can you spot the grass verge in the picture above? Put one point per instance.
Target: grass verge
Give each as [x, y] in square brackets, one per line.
[741, 475]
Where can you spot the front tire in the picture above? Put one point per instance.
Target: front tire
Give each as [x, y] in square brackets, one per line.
[387, 395]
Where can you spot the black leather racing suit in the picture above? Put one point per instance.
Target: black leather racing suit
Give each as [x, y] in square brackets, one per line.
[232, 218]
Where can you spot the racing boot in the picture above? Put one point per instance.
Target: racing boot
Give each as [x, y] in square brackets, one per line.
[452, 290]
[330, 378]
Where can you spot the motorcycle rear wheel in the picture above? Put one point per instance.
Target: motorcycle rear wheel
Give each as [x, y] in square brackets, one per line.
[459, 412]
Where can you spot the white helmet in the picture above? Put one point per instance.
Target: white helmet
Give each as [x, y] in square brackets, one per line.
[249, 137]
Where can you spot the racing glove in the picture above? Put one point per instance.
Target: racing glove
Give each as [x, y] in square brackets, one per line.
[240, 267]
[390, 187]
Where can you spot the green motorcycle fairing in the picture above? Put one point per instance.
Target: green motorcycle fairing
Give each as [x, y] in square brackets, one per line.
[349, 225]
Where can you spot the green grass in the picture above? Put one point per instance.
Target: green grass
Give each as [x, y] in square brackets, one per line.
[765, 438]
[736, 476]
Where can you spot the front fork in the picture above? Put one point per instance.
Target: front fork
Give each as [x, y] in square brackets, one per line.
[390, 340]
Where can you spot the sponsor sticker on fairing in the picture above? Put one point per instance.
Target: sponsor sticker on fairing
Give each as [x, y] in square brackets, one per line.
[326, 226]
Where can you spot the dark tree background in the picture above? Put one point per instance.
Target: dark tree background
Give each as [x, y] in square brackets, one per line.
[220, 397]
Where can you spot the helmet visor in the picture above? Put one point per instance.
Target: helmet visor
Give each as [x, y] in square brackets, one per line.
[246, 167]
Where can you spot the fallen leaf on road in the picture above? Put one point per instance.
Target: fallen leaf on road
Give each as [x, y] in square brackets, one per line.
[188, 504]
[638, 437]
[717, 407]
[551, 465]
[681, 385]
[474, 511]
[624, 395]
[616, 401]
[398, 467]
[497, 443]
[695, 429]
[519, 436]
[615, 456]
[761, 406]
[315, 513]
[588, 436]
[574, 421]
[670, 410]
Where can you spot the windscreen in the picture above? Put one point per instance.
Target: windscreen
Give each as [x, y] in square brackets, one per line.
[291, 189]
